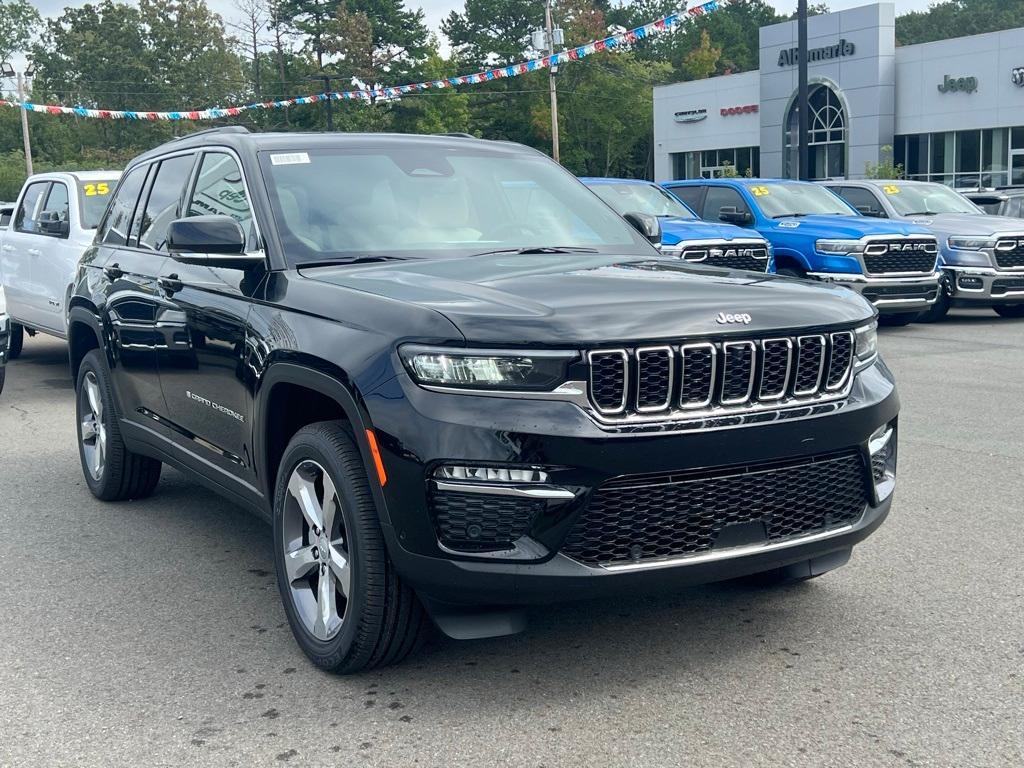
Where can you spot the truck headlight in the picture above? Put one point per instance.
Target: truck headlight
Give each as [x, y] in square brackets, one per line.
[839, 246]
[971, 243]
[867, 345]
[540, 370]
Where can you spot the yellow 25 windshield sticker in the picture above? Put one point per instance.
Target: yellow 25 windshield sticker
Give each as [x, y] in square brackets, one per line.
[91, 190]
[891, 189]
[760, 191]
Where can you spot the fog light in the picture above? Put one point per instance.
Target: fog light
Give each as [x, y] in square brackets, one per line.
[882, 450]
[969, 283]
[490, 474]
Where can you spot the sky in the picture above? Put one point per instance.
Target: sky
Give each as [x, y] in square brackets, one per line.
[435, 10]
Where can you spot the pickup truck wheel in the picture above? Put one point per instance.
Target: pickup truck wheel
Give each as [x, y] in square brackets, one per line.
[3, 375]
[898, 320]
[112, 472]
[348, 609]
[936, 311]
[15, 341]
[1010, 310]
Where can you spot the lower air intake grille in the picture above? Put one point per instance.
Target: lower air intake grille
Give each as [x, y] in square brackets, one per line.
[635, 519]
[471, 522]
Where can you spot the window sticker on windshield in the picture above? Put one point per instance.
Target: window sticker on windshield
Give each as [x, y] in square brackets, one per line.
[891, 189]
[92, 190]
[760, 191]
[290, 158]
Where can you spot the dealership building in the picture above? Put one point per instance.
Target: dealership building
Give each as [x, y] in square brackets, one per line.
[952, 110]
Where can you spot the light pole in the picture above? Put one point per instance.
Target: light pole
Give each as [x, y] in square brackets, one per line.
[803, 105]
[545, 40]
[8, 71]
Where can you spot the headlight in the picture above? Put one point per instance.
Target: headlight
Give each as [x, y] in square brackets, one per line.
[971, 243]
[485, 369]
[839, 246]
[867, 345]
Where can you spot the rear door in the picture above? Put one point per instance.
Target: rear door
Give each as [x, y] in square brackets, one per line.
[20, 250]
[202, 366]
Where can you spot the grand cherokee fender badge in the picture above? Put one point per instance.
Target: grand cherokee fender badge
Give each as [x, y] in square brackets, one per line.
[727, 319]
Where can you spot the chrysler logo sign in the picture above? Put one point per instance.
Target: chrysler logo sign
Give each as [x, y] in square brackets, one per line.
[1017, 76]
[790, 57]
[691, 115]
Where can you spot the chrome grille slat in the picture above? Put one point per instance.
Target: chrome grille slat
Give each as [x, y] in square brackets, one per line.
[888, 257]
[721, 377]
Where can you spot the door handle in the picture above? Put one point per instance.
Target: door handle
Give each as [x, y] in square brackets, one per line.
[34, 252]
[113, 272]
[170, 284]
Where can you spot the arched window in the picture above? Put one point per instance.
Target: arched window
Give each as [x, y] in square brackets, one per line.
[826, 135]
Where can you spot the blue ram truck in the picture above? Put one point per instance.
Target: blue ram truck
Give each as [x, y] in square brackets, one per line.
[683, 234]
[816, 234]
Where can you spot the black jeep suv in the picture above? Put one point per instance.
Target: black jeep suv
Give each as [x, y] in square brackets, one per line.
[457, 383]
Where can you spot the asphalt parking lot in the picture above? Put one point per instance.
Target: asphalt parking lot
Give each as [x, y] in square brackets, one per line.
[151, 633]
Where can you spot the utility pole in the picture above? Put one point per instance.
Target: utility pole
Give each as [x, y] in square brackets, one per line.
[552, 74]
[6, 70]
[325, 78]
[803, 106]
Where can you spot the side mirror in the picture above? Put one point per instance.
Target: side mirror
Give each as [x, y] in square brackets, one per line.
[646, 225]
[51, 223]
[214, 241]
[867, 210]
[730, 215]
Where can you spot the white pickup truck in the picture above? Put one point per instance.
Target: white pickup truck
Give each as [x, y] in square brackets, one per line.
[53, 222]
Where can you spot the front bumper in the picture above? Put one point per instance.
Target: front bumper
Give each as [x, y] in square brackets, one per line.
[581, 455]
[983, 286]
[890, 295]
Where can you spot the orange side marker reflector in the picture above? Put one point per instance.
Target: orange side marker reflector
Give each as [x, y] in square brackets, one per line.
[371, 438]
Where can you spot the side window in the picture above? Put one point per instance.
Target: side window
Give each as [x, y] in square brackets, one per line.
[114, 230]
[863, 200]
[219, 190]
[689, 195]
[25, 220]
[722, 197]
[57, 200]
[164, 200]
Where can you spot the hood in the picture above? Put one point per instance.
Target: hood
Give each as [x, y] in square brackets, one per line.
[945, 224]
[586, 299]
[675, 230]
[842, 227]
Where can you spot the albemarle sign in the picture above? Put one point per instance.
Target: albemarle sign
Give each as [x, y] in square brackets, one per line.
[790, 57]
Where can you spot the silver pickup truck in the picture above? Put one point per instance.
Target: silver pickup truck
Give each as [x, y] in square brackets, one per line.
[53, 221]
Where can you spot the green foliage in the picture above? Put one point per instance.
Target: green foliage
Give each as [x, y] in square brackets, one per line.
[19, 22]
[956, 18]
[702, 60]
[884, 168]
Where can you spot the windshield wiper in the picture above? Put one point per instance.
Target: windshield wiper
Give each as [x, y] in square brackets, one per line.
[790, 215]
[922, 213]
[346, 260]
[535, 249]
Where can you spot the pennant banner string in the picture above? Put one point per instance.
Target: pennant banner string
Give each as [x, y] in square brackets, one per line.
[619, 40]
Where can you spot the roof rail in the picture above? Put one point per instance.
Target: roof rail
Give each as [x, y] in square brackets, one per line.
[457, 135]
[218, 129]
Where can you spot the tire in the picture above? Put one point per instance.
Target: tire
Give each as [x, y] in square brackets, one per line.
[3, 375]
[16, 341]
[936, 311]
[112, 472]
[382, 621]
[898, 320]
[791, 272]
[1010, 310]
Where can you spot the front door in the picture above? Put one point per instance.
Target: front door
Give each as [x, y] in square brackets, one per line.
[202, 368]
[21, 249]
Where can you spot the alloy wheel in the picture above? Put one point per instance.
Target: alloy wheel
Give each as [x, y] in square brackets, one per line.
[316, 550]
[93, 430]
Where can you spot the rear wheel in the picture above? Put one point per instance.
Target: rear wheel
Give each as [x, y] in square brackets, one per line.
[1010, 310]
[112, 472]
[897, 321]
[16, 341]
[347, 608]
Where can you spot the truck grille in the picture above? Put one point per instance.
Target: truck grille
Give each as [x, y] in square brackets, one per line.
[1005, 285]
[910, 255]
[753, 257]
[672, 380]
[1010, 253]
[636, 519]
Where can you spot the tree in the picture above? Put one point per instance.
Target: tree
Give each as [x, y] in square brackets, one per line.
[310, 18]
[884, 168]
[701, 62]
[377, 39]
[956, 18]
[254, 21]
[20, 22]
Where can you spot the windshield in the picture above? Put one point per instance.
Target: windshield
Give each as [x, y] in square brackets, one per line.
[920, 199]
[641, 198]
[428, 200]
[779, 199]
[94, 195]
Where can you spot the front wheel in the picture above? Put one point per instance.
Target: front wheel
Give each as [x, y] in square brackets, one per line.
[936, 311]
[791, 272]
[15, 341]
[348, 609]
[112, 472]
[1010, 310]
